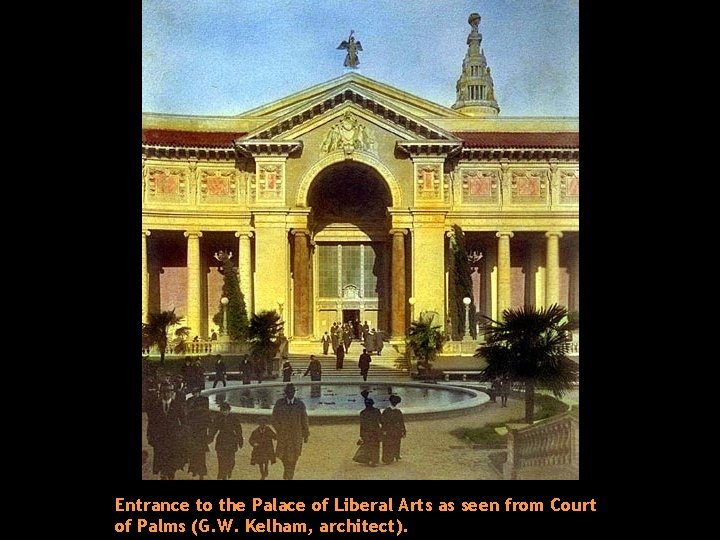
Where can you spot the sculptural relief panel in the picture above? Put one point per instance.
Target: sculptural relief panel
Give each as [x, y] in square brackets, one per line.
[569, 187]
[218, 186]
[479, 186]
[529, 186]
[166, 184]
[429, 182]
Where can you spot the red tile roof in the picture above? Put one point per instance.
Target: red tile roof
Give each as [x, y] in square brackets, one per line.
[168, 137]
[474, 139]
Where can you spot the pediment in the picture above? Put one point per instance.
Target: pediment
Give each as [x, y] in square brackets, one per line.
[363, 102]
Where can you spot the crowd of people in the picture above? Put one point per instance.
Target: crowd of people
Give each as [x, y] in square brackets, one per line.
[181, 431]
[341, 336]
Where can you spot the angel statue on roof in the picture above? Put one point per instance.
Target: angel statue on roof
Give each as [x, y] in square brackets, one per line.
[352, 46]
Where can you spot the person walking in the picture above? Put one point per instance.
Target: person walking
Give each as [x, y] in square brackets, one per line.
[228, 441]
[287, 371]
[364, 364]
[370, 434]
[290, 419]
[165, 432]
[505, 388]
[347, 336]
[220, 372]
[339, 356]
[334, 337]
[314, 369]
[393, 427]
[263, 452]
[246, 369]
[325, 340]
[198, 422]
[379, 341]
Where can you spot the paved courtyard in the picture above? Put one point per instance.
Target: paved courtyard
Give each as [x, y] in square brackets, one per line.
[428, 452]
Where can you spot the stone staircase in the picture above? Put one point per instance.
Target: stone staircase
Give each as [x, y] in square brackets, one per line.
[390, 364]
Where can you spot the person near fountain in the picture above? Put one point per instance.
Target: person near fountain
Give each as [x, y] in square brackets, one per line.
[370, 433]
[379, 340]
[393, 427]
[246, 369]
[228, 441]
[198, 422]
[290, 419]
[334, 336]
[165, 430]
[364, 364]
[287, 371]
[220, 372]
[325, 340]
[198, 375]
[339, 356]
[314, 369]
[263, 452]
[505, 388]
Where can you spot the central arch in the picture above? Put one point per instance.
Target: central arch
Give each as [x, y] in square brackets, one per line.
[358, 156]
[350, 224]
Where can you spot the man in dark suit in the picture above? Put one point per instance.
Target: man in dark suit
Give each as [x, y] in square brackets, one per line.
[290, 419]
[166, 433]
[364, 364]
[339, 356]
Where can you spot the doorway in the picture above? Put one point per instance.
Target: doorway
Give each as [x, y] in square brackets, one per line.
[352, 317]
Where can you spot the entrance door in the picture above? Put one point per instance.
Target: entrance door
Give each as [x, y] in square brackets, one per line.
[352, 316]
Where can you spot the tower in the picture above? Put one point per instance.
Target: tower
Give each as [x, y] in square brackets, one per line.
[475, 91]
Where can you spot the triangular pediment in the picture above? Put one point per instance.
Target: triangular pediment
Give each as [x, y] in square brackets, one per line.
[390, 96]
[363, 102]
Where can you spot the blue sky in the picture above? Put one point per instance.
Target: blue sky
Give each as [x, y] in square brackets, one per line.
[223, 57]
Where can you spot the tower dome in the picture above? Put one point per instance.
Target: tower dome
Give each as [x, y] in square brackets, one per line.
[475, 91]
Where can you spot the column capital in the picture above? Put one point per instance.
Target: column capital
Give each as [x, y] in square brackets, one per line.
[196, 234]
[509, 234]
[295, 231]
[398, 231]
[553, 233]
[146, 233]
[249, 234]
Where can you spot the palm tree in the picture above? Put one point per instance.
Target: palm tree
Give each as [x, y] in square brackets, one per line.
[155, 331]
[263, 332]
[530, 346]
[425, 340]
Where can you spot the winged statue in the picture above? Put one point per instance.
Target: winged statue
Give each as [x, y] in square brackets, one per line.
[352, 47]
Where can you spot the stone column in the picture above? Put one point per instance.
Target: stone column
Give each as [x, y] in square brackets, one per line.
[271, 264]
[145, 279]
[245, 268]
[194, 314]
[503, 266]
[552, 268]
[301, 275]
[397, 294]
[428, 268]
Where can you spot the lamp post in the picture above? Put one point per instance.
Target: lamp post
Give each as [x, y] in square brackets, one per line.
[466, 335]
[411, 301]
[280, 302]
[224, 330]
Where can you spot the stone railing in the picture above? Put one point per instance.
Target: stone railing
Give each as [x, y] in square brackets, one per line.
[550, 442]
[200, 348]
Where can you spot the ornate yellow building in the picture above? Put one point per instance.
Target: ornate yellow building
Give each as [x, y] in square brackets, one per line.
[337, 202]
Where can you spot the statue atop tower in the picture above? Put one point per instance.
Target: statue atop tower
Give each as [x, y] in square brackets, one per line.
[475, 89]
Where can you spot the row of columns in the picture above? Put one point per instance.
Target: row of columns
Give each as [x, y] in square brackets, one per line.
[552, 270]
[302, 301]
[194, 317]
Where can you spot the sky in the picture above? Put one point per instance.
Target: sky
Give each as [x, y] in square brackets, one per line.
[224, 57]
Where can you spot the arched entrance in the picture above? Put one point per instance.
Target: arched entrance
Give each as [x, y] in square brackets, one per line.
[349, 224]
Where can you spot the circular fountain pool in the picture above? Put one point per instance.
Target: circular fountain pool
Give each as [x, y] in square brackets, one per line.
[337, 400]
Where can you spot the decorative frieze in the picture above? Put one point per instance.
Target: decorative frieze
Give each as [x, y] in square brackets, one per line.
[428, 181]
[218, 186]
[529, 186]
[569, 187]
[479, 187]
[167, 184]
[348, 135]
[269, 182]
